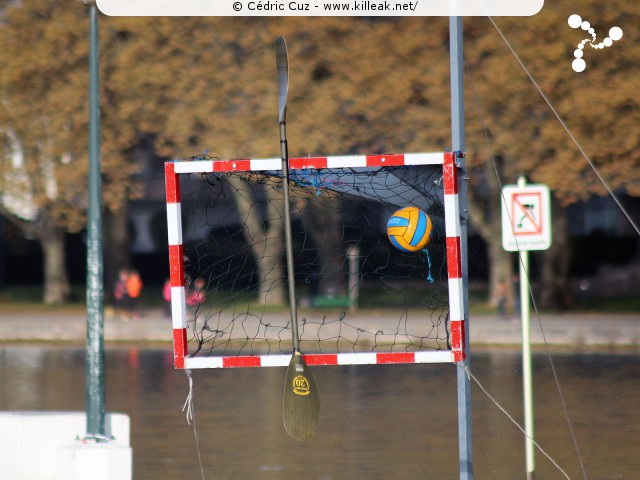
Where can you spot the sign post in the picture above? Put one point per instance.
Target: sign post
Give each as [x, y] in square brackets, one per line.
[526, 225]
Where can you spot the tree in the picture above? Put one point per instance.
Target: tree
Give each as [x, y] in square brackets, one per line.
[43, 120]
[358, 85]
[598, 106]
[382, 85]
[42, 186]
[265, 238]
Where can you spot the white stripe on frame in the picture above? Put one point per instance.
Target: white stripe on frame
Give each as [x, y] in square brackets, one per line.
[174, 223]
[178, 308]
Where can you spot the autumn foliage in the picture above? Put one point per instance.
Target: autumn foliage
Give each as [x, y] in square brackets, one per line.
[357, 85]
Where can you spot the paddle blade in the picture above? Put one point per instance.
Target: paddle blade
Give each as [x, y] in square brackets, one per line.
[301, 404]
[282, 68]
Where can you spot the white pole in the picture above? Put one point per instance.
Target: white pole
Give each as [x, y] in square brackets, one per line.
[526, 356]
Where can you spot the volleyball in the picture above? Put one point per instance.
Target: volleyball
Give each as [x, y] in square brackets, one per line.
[409, 229]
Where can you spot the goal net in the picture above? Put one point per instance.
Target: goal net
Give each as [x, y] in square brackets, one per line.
[360, 300]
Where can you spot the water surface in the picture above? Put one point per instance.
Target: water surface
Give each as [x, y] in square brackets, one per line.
[377, 422]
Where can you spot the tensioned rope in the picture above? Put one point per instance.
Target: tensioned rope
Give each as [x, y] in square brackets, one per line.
[513, 420]
[191, 418]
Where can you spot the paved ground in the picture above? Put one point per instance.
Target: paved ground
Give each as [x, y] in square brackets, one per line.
[576, 330]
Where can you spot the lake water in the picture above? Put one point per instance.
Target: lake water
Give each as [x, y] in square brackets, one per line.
[377, 422]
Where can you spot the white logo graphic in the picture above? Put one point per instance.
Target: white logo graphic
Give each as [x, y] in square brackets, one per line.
[575, 21]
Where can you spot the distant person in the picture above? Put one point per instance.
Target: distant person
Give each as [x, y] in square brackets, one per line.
[166, 295]
[134, 288]
[120, 292]
[584, 293]
[501, 295]
[196, 294]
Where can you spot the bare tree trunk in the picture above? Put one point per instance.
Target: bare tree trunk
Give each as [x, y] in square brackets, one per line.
[554, 285]
[52, 242]
[265, 238]
[56, 281]
[116, 246]
[323, 222]
[269, 261]
[485, 207]
[500, 261]
[500, 270]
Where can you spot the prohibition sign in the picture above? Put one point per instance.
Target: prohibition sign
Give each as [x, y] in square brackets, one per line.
[526, 217]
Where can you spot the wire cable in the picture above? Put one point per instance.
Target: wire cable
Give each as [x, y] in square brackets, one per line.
[191, 418]
[513, 420]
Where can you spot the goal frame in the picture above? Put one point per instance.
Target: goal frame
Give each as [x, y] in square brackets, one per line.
[448, 161]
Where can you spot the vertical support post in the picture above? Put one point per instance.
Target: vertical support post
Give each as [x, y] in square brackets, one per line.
[458, 145]
[353, 253]
[527, 384]
[176, 265]
[95, 289]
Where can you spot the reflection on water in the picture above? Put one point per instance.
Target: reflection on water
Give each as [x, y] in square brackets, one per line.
[377, 422]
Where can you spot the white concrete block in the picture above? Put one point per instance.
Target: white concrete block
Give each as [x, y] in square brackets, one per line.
[48, 446]
[94, 461]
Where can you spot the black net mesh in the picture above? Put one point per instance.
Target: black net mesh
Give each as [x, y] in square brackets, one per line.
[355, 291]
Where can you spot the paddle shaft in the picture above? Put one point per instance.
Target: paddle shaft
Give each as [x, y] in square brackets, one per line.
[288, 237]
[282, 67]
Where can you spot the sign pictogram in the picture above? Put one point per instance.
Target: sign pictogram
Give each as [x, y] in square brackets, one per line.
[526, 217]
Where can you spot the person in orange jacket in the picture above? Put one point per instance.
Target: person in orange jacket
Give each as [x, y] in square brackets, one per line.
[134, 287]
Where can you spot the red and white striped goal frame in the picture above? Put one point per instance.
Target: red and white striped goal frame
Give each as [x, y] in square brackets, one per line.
[446, 160]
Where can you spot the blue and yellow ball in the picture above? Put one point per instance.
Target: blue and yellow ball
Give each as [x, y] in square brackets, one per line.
[409, 229]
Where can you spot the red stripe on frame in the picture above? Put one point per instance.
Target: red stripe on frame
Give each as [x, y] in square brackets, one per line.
[454, 262]
[450, 174]
[459, 356]
[232, 165]
[457, 335]
[179, 346]
[394, 160]
[320, 359]
[172, 183]
[176, 265]
[238, 362]
[397, 357]
[307, 162]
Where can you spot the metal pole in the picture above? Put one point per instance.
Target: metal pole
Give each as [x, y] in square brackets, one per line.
[95, 294]
[458, 145]
[527, 384]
